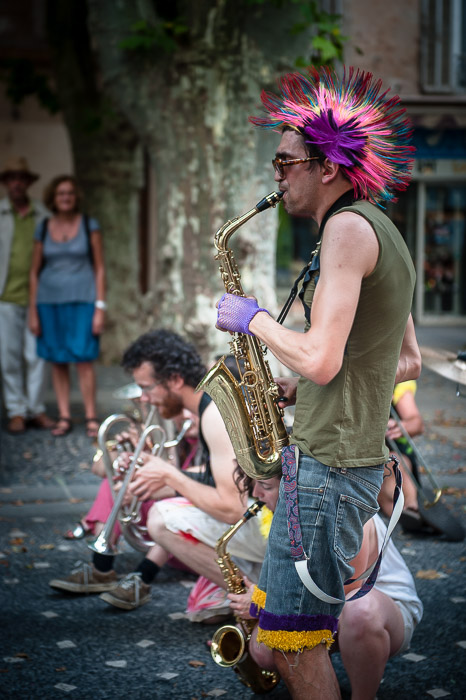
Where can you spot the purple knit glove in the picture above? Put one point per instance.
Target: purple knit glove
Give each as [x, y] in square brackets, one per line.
[236, 313]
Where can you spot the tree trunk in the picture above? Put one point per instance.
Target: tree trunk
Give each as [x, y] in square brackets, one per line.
[190, 109]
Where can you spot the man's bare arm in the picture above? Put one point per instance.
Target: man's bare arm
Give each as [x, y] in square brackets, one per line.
[222, 501]
[410, 362]
[349, 253]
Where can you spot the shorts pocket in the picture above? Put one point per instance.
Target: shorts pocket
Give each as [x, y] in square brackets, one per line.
[368, 477]
[351, 516]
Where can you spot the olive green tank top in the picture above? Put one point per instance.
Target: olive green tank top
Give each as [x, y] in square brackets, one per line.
[343, 423]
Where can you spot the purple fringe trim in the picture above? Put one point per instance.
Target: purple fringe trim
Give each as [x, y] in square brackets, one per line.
[254, 610]
[297, 623]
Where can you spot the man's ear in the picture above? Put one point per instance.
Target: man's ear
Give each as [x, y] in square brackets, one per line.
[176, 382]
[329, 171]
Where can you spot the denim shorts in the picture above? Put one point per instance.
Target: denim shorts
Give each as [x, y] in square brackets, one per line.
[333, 506]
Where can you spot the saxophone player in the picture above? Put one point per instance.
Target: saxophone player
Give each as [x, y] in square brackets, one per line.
[344, 149]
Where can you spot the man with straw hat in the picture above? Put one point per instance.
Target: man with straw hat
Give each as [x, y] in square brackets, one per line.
[22, 372]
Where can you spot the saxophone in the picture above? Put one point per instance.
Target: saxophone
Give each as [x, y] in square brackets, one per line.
[229, 643]
[249, 408]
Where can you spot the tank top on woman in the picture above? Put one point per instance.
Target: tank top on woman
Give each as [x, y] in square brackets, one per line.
[67, 274]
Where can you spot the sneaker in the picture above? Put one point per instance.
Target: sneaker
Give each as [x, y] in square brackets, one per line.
[130, 593]
[86, 579]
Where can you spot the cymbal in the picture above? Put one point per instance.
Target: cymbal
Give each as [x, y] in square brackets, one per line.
[445, 363]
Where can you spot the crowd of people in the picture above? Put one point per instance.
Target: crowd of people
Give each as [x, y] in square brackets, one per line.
[319, 574]
[52, 299]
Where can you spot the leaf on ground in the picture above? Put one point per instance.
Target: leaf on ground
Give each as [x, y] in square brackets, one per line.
[428, 574]
[75, 500]
[18, 503]
[196, 664]
[47, 546]
[454, 491]
[61, 668]
[22, 655]
[27, 455]
[17, 540]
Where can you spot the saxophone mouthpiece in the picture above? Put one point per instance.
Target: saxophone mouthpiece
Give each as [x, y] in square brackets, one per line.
[270, 201]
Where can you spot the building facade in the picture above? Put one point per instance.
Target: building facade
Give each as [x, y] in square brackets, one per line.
[418, 48]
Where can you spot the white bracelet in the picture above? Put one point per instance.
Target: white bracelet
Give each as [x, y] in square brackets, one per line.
[99, 304]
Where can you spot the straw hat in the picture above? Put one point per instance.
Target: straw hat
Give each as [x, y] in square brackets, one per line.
[16, 164]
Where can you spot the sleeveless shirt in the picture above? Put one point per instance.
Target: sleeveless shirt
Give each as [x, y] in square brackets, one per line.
[205, 476]
[343, 423]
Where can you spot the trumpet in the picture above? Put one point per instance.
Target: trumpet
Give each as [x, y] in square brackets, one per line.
[103, 544]
[134, 532]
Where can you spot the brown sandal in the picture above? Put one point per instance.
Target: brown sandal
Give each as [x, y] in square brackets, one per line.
[64, 429]
[92, 432]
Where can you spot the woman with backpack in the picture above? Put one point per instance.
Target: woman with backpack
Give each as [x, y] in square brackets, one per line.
[67, 298]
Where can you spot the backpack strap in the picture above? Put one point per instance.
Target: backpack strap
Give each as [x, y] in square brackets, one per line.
[87, 230]
[43, 231]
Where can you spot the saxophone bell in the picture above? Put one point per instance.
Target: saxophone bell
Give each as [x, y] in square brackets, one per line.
[228, 646]
[230, 642]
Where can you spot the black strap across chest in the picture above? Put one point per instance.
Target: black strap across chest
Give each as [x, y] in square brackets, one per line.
[205, 476]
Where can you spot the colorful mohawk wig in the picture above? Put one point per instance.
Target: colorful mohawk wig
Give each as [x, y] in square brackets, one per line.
[366, 133]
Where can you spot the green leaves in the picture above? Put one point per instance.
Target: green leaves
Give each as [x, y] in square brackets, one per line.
[22, 80]
[145, 36]
[327, 41]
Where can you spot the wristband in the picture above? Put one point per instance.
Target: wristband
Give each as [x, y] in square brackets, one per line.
[235, 313]
[100, 304]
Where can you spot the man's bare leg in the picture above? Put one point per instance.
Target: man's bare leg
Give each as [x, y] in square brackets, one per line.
[309, 674]
[157, 555]
[371, 630]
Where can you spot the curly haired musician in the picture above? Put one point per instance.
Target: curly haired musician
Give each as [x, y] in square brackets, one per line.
[344, 148]
[191, 509]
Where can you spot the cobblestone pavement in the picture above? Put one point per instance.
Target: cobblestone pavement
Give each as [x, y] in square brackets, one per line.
[54, 645]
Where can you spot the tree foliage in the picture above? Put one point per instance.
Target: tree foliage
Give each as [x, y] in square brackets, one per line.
[179, 78]
[24, 80]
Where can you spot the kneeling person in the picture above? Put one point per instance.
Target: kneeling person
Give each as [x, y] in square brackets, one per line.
[372, 628]
[196, 506]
